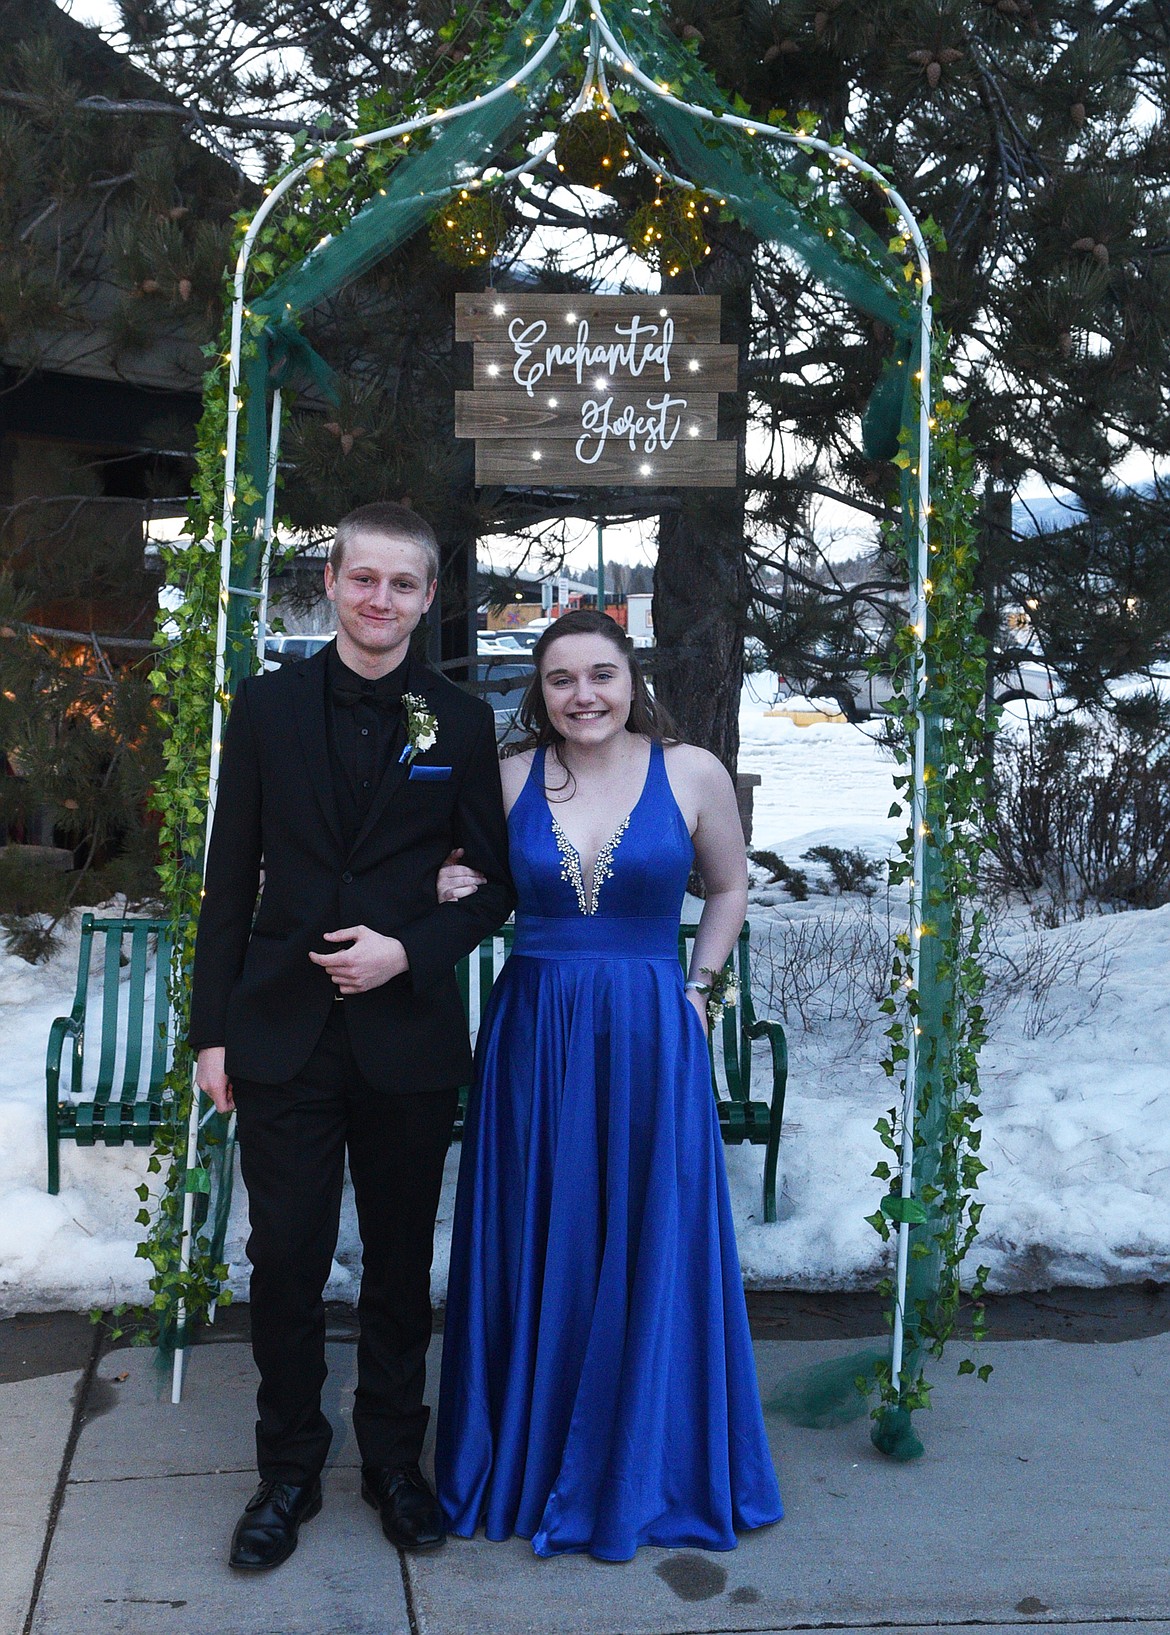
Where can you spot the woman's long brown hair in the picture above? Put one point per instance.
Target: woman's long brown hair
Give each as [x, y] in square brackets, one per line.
[647, 716]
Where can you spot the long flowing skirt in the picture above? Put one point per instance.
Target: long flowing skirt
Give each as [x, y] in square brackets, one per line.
[599, 1390]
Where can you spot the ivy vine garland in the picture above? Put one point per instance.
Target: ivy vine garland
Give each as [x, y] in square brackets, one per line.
[943, 1213]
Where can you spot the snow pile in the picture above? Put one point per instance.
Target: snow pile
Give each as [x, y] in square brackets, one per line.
[77, 1249]
[1076, 1090]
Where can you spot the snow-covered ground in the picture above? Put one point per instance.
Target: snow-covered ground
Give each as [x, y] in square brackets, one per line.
[1076, 1080]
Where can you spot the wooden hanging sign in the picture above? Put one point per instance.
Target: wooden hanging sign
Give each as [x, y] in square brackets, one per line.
[596, 390]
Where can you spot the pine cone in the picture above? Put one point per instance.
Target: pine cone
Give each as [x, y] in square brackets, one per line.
[1078, 113]
[184, 289]
[772, 53]
[933, 74]
[149, 286]
[1101, 254]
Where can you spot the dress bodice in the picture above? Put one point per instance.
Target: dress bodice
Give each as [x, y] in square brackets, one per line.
[639, 878]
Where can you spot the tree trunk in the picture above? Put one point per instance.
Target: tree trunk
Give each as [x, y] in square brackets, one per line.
[700, 579]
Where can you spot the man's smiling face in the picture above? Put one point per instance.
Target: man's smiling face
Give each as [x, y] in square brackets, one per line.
[380, 593]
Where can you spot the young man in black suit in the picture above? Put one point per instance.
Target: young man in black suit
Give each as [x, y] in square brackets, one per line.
[329, 1016]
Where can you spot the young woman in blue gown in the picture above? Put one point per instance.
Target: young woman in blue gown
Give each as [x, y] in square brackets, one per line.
[598, 1387]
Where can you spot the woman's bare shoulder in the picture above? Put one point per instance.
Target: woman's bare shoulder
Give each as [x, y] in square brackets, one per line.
[514, 770]
[697, 766]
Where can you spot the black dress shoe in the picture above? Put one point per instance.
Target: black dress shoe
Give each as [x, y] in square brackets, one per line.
[411, 1516]
[266, 1534]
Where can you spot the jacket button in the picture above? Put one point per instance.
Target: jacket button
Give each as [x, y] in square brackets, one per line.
[347, 877]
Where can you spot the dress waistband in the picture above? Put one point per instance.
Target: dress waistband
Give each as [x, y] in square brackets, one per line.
[591, 936]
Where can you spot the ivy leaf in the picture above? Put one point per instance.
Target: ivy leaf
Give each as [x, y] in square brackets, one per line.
[906, 1211]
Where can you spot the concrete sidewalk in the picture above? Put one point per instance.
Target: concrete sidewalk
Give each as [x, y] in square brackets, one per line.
[1042, 1499]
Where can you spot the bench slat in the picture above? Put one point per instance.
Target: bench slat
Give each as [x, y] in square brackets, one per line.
[112, 974]
[135, 1007]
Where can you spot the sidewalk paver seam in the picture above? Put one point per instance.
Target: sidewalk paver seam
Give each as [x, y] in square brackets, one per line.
[408, 1593]
[181, 1475]
[1117, 1621]
[75, 1429]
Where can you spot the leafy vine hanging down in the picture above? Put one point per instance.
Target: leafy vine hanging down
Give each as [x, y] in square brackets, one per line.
[943, 1213]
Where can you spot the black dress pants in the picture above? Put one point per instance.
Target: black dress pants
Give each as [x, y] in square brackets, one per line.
[293, 1142]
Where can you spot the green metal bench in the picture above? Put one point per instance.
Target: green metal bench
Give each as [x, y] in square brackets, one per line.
[740, 1117]
[126, 1030]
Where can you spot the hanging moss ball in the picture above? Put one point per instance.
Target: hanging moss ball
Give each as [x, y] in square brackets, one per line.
[668, 231]
[592, 149]
[468, 229]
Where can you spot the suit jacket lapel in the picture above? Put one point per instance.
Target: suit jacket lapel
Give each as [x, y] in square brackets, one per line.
[314, 736]
[420, 682]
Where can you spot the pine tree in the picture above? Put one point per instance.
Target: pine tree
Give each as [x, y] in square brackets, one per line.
[1034, 135]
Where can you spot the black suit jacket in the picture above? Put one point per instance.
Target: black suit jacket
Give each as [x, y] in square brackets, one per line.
[254, 988]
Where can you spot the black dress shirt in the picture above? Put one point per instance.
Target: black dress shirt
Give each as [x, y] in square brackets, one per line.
[367, 732]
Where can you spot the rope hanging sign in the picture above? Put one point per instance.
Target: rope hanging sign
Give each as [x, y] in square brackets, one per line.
[596, 390]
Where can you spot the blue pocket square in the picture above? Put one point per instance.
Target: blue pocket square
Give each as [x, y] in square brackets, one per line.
[433, 773]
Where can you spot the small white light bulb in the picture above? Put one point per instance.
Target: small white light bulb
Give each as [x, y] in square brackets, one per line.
[499, 309]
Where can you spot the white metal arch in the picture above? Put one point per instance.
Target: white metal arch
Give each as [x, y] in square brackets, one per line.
[602, 40]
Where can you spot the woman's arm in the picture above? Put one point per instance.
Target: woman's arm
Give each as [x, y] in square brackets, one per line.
[456, 878]
[722, 862]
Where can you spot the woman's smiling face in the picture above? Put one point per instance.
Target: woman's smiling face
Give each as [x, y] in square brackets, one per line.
[587, 688]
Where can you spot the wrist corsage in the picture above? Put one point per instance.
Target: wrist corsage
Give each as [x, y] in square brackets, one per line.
[721, 990]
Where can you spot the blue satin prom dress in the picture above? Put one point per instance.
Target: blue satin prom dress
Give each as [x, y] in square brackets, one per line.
[598, 1388]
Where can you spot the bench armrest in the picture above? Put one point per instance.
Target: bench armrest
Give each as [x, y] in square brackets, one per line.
[63, 1027]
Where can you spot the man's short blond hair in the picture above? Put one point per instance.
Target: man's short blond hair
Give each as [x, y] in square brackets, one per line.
[391, 521]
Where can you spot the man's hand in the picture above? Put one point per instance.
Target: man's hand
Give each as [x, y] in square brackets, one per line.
[212, 1080]
[370, 960]
[458, 879]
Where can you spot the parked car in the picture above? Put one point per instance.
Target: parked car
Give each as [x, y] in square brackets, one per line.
[280, 650]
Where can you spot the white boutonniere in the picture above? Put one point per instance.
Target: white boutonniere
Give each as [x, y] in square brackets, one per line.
[422, 728]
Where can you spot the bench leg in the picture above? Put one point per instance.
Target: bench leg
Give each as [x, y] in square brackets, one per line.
[54, 1140]
[772, 1151]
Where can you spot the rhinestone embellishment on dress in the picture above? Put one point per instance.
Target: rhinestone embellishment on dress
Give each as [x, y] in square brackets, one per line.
[602, 867]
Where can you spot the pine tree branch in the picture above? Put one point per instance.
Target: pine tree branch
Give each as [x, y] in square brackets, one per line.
[169, 110]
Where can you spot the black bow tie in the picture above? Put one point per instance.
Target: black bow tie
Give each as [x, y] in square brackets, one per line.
[348, 698]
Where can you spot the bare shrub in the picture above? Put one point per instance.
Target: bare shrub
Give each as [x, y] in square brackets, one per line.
[824, 968]
[1080, 816]
[1056, 982]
